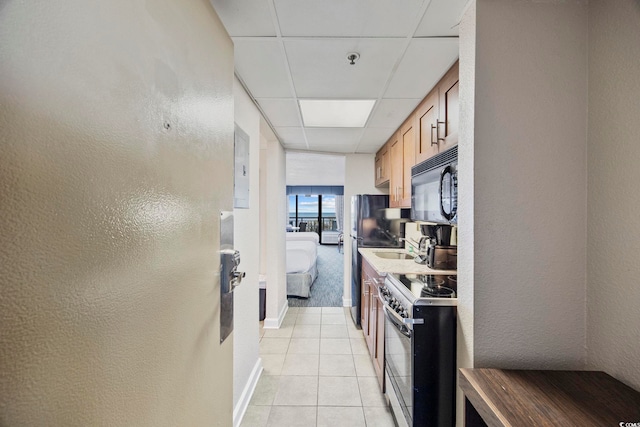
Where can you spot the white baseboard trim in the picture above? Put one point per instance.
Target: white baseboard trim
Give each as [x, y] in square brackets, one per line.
[247, 393]
[346, 302]
[272, 323]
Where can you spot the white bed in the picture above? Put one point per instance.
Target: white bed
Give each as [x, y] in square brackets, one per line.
[301, 258]
[304, 235]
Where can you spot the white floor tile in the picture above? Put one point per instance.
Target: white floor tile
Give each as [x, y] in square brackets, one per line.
[306, 331]
[308, 319]
[338, 391]
[334, 319]
[304, 346]
[272, 363]
[336, 416]
[256, 416]
[315, 310]
[292, 416]
[297, 391]
[333, 310]
[337, 365]
[364, 365]
[301, 364]
[370, 392]
[274, 345]
[333, 331]
[378, 416]
[335, 346]
[265, 390]
[283, 331]
[359, 346]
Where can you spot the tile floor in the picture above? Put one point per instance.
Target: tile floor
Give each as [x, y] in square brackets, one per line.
[317, 372]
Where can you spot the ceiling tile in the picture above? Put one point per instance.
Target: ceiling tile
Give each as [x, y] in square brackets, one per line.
[376, 136]
[333, 136]
[441, 18]
[281, 112]
[391, 112]
[245, 17]
[291, 135]
[261, 65]
[320, 69]
[424, 63]
[353, 18]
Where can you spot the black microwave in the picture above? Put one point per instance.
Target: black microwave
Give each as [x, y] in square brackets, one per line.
[434, 188]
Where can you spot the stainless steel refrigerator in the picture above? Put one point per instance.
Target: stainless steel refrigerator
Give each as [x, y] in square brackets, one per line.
[373, 225]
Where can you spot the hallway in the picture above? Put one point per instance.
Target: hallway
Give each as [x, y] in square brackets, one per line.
[317, 372]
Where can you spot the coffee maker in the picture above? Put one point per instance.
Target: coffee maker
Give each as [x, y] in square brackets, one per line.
[438, 246]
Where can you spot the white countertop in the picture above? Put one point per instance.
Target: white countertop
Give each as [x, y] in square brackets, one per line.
[399, 266]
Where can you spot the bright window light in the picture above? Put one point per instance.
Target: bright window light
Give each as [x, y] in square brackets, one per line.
[336, 113]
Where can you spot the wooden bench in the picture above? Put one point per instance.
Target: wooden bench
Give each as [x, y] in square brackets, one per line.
[497, 397]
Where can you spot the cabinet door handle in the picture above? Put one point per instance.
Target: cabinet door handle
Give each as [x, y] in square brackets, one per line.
[438, 123]
[434, 127]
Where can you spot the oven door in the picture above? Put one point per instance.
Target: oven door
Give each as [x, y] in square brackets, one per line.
[399, 362]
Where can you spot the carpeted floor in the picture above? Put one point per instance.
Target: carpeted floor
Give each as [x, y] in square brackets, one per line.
[326, 291]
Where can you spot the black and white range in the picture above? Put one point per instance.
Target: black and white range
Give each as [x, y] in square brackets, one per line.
[420, 348]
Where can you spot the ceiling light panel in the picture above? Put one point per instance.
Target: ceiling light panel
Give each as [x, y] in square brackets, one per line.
[329, 113]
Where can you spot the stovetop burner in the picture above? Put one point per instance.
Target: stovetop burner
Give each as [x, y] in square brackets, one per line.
[425, 289]
[437, 291]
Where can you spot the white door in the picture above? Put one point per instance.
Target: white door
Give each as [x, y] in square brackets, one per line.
[116, 157]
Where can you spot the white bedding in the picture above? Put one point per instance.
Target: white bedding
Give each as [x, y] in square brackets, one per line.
[304, 235]
[301, 259]
[301, 256]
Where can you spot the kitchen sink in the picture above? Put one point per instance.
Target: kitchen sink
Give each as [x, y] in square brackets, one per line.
[393, 255]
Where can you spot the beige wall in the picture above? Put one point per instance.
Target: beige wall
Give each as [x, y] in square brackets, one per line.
[529, 185]
[613, 315]
[466, 223]
[246, 360]
[109, 221]
[276, 221]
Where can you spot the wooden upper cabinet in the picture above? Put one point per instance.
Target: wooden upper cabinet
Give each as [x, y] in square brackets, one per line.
[449, 89]
[427, 122]
[382, 166]
[396, 161]
[408, 131]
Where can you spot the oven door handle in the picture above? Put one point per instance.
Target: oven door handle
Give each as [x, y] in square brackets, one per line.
[396, 320]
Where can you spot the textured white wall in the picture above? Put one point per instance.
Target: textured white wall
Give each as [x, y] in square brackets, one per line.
[247, 241]
[314, 168]
[529, 187]
[466, 218]
[359, 179]
[613, 316]
[109, 223]
[276, 221]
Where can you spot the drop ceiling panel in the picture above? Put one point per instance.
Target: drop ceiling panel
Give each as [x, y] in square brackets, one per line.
[281, 112]
[261, 65]
[424, 63]
[353, 18]
[291, 135]
[333, 136]
[441, 18]
[391, 112]
[376, 136]
[320, 69]
[245, 17]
